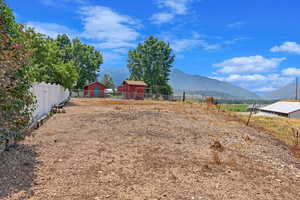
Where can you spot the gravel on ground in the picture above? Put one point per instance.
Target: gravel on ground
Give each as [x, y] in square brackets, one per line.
[147, 150]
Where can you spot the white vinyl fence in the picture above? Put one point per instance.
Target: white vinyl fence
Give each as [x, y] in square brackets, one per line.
[47, 95]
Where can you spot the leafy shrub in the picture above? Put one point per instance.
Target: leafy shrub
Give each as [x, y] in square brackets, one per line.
[15, 79]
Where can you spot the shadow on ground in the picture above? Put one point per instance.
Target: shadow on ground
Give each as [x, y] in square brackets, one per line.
[17, 172]
[70, 104]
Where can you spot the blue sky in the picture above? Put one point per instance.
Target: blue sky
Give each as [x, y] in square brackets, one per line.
[251, 43]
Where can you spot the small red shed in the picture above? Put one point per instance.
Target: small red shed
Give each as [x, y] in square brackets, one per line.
[134, 89]
[95, 89]
[120, 88]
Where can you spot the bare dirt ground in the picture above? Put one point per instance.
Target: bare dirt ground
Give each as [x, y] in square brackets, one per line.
[129, 150]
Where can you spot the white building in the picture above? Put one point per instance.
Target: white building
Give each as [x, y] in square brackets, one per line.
[283, 109]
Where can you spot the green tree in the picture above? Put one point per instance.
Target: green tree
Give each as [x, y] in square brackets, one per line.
[151, 62]
[65, 45]
[49, 63]
[108, 82]
[15, 98]
[86, 58]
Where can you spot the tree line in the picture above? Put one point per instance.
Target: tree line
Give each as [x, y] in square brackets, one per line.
[69, 63]
[27, 56]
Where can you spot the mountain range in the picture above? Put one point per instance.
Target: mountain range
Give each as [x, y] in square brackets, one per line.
[208, 86]
[195, 84]
[287, 92]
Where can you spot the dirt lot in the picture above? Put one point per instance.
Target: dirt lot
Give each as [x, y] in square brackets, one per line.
[129, 150]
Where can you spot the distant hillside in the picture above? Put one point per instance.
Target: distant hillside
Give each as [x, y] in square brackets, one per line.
[192, 83]
[181, 80]
[287, 92]
[206, 93]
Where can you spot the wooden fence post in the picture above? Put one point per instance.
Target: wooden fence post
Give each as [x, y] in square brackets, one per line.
[250, 115]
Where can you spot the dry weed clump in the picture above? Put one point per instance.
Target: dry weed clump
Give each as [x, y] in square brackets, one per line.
[296, 151]
[216, 158]
[248, 139]
[206, 168]
[232, 163]
[296, 148]
[217, 146]
[118, 108]
[296, 136]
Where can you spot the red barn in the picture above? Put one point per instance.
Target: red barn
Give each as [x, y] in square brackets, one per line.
[121, 89]
[95, 89]
[134, 89]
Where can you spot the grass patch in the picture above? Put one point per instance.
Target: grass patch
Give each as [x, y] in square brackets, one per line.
[235, 107]
[280, 128]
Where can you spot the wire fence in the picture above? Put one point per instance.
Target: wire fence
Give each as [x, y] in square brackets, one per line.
[177, 95]
[134, 95]
[140, 93]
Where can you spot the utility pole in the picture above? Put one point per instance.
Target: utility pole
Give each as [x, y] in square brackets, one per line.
[296, 88]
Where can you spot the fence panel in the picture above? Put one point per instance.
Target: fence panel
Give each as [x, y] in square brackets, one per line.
[47, 95]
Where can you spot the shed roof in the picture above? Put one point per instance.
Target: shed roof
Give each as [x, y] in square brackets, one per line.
[93, 83]
[137, 83]
[282, 107]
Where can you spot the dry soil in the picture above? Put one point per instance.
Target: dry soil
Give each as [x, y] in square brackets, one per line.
[143, 150]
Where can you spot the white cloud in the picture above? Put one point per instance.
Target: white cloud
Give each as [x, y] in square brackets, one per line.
[195, 40]
[291, 47]
[237, 77]
[236, 25]
[58, 2]
[234, 40]
[160, 18]
[210, 47]
[111, 57]
[221, 44]
[121, 50]
[265, 89]
[258, 82]
[108, 28]
[176, 6]
[113, 45]
[180, 45]
[251, 64]
[171, 9]
[278, 80]
[51, 29]
[185, 44]
[291, 72]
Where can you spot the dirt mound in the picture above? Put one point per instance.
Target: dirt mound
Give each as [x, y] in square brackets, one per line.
[147, 150]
